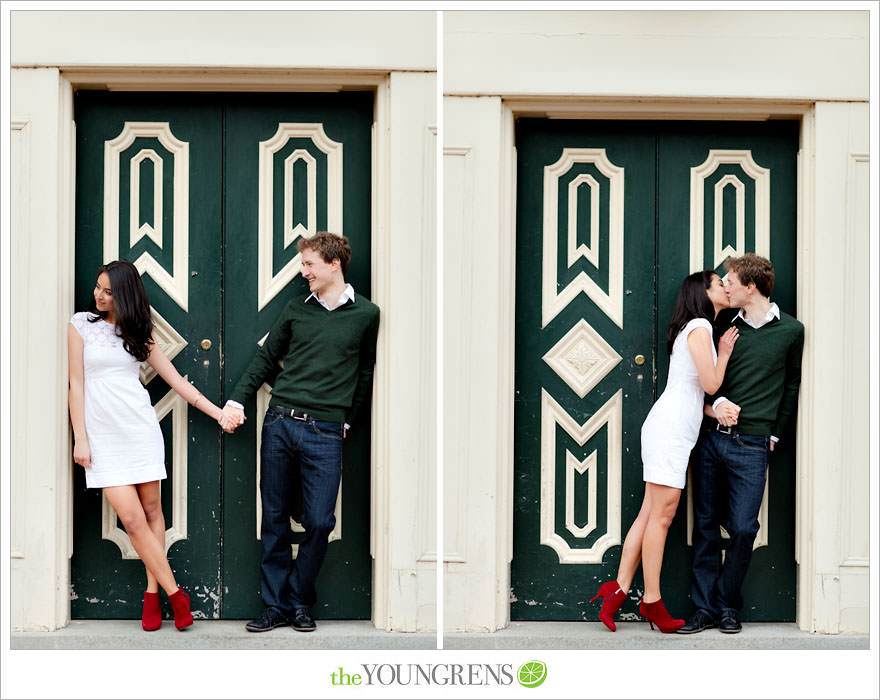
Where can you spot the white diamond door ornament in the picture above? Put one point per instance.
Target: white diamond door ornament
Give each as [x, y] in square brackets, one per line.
[582, 358]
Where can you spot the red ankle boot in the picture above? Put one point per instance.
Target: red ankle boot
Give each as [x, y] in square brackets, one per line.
[180, 604]
[152, 616]
[612, 598]
[656, 612]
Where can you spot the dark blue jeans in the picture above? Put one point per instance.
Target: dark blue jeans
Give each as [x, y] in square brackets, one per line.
[728, 483]
[293, 453]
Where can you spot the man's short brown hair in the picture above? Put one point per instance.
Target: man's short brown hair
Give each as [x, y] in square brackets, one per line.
[328, 246]
[753, 268]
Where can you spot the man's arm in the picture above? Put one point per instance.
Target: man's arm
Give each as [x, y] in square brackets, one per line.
[788, 402]
[265, 362]
[366, 362]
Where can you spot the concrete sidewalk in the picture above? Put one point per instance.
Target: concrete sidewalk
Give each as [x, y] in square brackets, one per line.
[638, 635]
[360, 634]
[220, 634]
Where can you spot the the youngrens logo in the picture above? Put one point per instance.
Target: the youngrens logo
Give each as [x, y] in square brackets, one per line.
[531, 674]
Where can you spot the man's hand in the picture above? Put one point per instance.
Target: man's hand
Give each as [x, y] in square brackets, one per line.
[772, 445]
[727, 413]
[231, 418]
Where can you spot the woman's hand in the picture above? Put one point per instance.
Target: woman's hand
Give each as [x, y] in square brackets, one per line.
[728, 340]
[82, 455]
[231, 418]
[727, 413]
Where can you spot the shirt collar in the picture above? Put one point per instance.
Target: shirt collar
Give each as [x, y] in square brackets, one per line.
[347, 295]
[772, 312]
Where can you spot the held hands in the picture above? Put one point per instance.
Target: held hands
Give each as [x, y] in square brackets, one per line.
[82, 455]
[728, 340]
[727, 413]
[231, 418]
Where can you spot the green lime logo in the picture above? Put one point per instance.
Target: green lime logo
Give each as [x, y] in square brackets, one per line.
[531, 674]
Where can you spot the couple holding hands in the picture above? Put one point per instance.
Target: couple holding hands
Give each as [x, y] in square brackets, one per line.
[327, 342]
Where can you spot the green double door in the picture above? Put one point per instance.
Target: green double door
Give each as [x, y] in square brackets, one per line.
[611, 216]
[207, 195]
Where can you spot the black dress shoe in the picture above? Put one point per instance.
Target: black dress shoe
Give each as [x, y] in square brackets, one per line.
[699, 621]
[730, 622]
[269, 620]
[302, 620]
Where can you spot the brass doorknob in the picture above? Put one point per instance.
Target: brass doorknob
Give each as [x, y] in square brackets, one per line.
[639, 360]
[206, 344]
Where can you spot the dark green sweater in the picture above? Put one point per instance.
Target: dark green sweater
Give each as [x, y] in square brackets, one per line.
[764, 374]
[328, 358]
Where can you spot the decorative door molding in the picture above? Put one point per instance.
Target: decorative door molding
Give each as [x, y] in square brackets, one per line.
[554, 301]
[553, 415]
[269, 284]
[176, 282]
[761, 179]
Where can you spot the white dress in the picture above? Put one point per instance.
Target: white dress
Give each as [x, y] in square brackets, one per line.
[121, 425]
[671, 429]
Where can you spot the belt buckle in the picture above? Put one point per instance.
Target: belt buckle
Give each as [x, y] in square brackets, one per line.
[726, 429]
[303, 417]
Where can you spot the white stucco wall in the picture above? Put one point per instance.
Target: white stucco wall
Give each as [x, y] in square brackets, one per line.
[757, 54]
[683, 65]
[264, 39]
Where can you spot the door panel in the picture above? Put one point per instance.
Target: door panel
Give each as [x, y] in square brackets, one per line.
[273, 146]
[579, 394]
[212, 226]
[123, 143]
[573, 506]
[746, 177]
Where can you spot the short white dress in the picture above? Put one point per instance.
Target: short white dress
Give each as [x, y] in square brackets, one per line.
[124, 435]
[672, 427]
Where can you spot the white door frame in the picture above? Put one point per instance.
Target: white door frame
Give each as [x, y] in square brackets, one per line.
[641, 109]
[138, 79]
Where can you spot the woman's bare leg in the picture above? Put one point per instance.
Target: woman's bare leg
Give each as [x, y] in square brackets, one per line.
[151, 500]
[664, 502]
[128, 507]
[632, 545]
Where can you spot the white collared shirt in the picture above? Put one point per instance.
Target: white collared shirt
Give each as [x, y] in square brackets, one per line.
[772, 312]
[347, 294]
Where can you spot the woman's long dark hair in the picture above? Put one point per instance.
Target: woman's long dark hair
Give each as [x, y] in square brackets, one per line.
[131, 306]
[693, 302]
